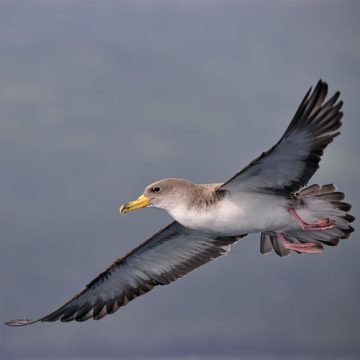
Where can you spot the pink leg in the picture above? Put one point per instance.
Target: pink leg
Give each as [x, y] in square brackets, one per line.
[306, 248]
[322, 224]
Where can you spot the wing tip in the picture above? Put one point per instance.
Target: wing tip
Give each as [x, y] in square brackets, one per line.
[19, 322]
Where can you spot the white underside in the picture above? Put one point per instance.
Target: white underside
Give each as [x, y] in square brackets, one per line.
[242, 213]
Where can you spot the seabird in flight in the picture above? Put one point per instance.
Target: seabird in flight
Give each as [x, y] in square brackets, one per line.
[267, 196]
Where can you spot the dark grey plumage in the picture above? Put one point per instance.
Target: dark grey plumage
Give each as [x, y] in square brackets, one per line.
[165, 257]
[289, 165]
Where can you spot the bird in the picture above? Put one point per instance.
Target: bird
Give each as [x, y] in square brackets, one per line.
[269, 196]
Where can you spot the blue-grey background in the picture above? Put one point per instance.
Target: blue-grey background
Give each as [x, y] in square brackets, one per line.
[100, 98]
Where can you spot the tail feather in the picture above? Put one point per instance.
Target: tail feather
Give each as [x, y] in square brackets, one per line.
[332, 196]
[269, 241]
[265, 243]
[326, 203]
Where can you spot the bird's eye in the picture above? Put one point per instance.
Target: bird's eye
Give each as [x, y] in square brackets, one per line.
[156, 189]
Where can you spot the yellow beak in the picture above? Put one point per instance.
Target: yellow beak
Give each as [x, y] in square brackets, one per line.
[141, 202]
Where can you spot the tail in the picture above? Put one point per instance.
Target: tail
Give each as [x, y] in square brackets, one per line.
[325, 203]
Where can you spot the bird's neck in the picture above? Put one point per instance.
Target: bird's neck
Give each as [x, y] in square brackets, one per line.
[203, 199]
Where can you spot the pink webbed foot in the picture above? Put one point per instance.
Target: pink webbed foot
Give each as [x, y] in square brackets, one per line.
[306, 248]
[323, 224]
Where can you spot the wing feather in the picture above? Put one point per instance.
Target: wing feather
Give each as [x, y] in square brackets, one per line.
[167, 256]
[289, 165]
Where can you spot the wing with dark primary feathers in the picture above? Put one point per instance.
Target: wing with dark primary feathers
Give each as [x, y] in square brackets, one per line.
[167, 256]
[289, 165]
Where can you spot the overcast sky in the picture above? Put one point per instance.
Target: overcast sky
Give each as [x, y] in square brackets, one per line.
[99, 99]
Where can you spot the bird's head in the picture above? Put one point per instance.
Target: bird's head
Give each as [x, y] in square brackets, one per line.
[162, 194]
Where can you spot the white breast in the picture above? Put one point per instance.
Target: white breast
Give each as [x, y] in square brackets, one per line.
[242, 213]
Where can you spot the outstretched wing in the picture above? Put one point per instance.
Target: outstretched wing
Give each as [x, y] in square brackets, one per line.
[290, 164]
[167, 256]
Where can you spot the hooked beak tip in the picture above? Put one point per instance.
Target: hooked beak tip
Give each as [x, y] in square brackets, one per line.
[141, 202]
[122, 210]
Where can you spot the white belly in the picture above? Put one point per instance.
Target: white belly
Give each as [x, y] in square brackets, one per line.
[242, 213]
